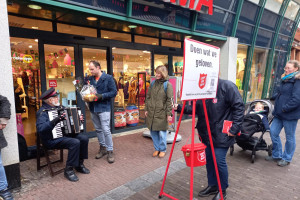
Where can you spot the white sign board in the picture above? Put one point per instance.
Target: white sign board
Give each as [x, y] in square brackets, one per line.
[200, 70]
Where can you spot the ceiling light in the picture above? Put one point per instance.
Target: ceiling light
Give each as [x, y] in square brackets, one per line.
[153, 43]
[30, 46]
[35, 27]
[36, 40]
[105, 37]
[208, 40]
[92, 18]
[132, 26]
[94, 57]
[114, 48]
[188, 36]
[35, 7]
[146, 51]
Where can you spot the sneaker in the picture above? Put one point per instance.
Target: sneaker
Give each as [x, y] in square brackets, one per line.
[270, 158]
[6, 195]
[102, 152]
[110, 157]
[162, 154]
[283, 163]
[155, 153]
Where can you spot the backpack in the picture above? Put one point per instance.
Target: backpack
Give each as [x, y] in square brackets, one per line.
[165, 85]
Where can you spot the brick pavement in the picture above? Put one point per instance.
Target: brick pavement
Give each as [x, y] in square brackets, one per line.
[138, 176]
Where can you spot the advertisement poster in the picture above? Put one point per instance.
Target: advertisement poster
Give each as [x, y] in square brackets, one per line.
[200, 70]
[52, 83]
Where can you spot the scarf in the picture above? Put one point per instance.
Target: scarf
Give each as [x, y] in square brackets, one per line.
[289, 76]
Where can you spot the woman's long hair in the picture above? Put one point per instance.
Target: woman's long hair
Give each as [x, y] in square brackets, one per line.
[163, 70]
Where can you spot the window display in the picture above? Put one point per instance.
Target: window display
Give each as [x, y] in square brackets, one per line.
[177, 65]
[240, 67]
[132, 74]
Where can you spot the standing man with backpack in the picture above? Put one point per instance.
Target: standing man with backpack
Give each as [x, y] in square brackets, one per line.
[158, 110]
[101, 107]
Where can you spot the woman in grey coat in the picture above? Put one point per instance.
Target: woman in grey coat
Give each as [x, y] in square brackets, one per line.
[4, 117]
[158, 110]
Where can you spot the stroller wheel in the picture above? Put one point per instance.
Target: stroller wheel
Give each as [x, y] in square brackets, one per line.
[270, 147]
[252, 158]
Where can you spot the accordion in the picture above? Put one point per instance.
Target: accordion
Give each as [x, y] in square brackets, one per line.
[70, 126]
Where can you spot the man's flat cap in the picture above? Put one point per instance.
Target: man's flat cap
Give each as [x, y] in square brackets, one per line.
[49, 93]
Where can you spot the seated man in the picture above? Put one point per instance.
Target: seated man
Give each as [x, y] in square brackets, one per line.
[77, 146]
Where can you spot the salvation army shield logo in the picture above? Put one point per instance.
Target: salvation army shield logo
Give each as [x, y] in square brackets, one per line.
[202, 80]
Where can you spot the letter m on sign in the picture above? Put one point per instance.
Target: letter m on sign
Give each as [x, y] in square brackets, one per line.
[208, 3]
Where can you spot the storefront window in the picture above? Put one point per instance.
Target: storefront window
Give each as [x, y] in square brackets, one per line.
[170, 43]
[21, 22]
[240, 66]
[132, 73]
[146, 40]
[100, 56]
[76, 30]
[178, 65]
[115, 36]
[26, 73]
[160, 60]
[60, 72]
[257, 74]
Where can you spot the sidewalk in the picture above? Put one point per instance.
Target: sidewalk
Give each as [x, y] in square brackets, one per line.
[137, 176]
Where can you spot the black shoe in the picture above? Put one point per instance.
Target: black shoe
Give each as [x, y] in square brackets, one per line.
[208, 191]
[218, 195]
[82, 169]
[6, 195]
[70, 174]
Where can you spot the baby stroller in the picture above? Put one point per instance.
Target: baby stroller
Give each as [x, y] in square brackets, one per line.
[252, 124]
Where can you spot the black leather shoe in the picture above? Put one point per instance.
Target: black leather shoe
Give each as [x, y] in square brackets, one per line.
[70, 174]
[82, 169]
[218, 195]
[6, 195]
[208, 191]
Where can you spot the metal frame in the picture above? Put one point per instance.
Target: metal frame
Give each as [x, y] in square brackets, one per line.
[295, 27]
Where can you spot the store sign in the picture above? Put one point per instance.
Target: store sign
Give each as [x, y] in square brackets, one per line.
[25, 58]
[193, 4]
[200, 70]
[52, 83]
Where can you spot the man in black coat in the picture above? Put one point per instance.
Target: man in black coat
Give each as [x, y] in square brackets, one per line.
[77, 146]
[228, 105]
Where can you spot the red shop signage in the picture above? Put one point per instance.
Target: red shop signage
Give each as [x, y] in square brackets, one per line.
[52, 83]
[193, 4]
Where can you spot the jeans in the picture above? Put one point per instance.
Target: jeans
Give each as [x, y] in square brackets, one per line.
[101, 121]
[222, 167]
[159, 139]
[3, 181]
[290, 144]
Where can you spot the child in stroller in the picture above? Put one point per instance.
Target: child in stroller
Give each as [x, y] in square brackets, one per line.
[257, 119]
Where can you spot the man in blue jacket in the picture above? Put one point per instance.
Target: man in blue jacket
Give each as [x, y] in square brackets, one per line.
[101, 108]
[228, 105]
[77, 146]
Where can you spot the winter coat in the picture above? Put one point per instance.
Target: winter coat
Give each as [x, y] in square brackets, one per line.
[159, 105]
[107, 87]
[4, 116]
[287, 99]
[228, 105]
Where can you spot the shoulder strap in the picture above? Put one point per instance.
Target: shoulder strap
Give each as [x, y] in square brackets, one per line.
[166, 86]
[152, 83]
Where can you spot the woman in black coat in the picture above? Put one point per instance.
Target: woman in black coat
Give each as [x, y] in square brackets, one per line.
[4, 117]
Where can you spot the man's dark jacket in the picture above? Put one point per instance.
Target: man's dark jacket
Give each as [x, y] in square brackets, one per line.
[4, 113]
[228, 105]
[44, 126]
[107, 88]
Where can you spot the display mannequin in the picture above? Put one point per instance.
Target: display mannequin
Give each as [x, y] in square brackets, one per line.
[132, 91]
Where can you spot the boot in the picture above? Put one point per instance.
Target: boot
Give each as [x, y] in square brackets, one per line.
[6, 195]
[102, 152]
[70, 174]
[81, 168]
[110, 157]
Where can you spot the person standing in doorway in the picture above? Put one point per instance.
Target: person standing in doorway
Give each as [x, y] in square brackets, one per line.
[4, 117]
[286, 114]
[158, 110]
[100, 109]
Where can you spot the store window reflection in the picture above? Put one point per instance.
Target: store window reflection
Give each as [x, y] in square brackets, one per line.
[26, 75]
[160, 60]
[88, 55]
[240, 66]
[132, 73]
[177, 65]
[257, 74]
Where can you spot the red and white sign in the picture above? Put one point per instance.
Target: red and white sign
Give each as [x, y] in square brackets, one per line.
[52, 83]
[200, 70]
[193, 4]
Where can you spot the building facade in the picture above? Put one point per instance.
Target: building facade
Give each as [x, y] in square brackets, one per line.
[51, 42]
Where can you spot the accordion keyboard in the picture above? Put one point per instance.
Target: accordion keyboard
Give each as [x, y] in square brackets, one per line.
[56, 132]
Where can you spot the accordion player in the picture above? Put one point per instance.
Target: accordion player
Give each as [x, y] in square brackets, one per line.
[70, 126]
